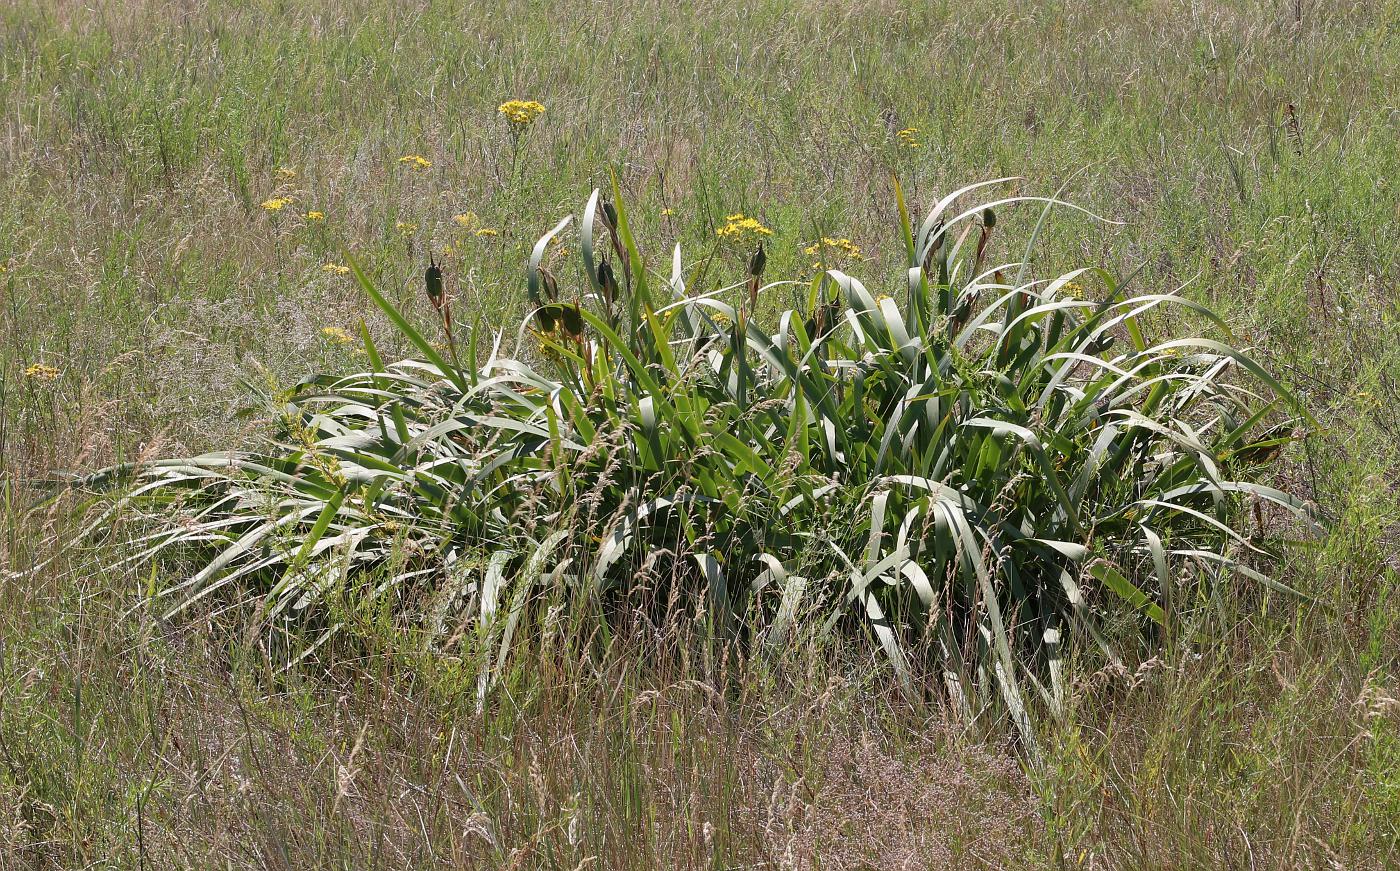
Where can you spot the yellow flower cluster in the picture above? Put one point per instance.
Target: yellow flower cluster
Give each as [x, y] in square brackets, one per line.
[415, 162]
[909, 137]
[471, 222]
[521, 113]
[405, 228]
[738, 227]
[336, 336]
[277, 204]
[41, 372]
[315, 217]
[335, 269]
[285, 172]
[832, 252]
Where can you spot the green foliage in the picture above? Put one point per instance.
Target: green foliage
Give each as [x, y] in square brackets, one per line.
[976, 471]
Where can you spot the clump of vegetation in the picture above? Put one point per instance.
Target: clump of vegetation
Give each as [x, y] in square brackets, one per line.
[975, 467]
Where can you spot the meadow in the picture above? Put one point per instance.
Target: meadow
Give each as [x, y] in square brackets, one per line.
[187, 190]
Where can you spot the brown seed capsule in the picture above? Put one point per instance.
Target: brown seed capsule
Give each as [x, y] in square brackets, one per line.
[607, 280]
[432, 280]
[757, 262]
[544, 316]
[572, 318]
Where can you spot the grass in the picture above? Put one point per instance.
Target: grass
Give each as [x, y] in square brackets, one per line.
[139, 141]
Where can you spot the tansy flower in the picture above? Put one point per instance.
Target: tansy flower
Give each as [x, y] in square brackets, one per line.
[488, 231]
[466, 220]
[909, 137]
[284, 172]
[833, 252]
[415, 162]
[739, 228]
[315, 216]
[336, 336]
[41, 372]
[405, 228]
[521, 113]
[335, 269]
[277, 204]
[666, 213]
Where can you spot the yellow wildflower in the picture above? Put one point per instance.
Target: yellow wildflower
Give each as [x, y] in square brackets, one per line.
[740, 228]
[285, 172]
[666, 213]
[488, 231]
[336, 336]
[405, 228]
[831, 251]
[521, 113]
[315, 216]
[415, 162]
[909, 137]
[277, 204]
[41, 372]
[335, 269]
[466, 220]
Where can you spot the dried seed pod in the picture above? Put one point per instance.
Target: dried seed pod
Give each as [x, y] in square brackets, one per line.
[757, 262]
[607, 279]
[571, 316]
[551, 285]
[432, 281]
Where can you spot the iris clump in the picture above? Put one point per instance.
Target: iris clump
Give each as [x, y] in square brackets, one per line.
[975, 470]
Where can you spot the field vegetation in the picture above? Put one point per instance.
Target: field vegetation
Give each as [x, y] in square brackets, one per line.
[775, 508]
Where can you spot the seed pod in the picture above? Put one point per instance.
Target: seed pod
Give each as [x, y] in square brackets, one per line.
[607, 280]
[610, 215]
[551, 286]
[757, 262]
[572, 319]
[432, 281]
[544, 316]
[989, 218]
